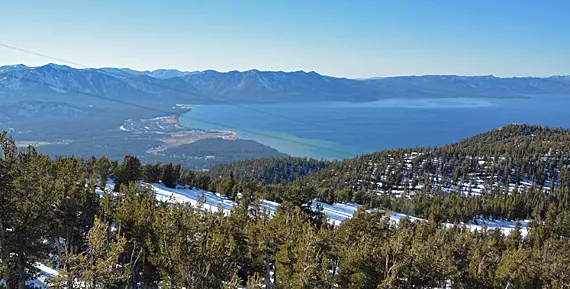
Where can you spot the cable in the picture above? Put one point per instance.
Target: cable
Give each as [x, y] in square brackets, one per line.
[195, 119]
[178, 90]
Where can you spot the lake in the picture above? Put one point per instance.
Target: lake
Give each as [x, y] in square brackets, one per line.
[337, 130]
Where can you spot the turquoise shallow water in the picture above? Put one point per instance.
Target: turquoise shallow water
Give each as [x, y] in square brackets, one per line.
[337, 130]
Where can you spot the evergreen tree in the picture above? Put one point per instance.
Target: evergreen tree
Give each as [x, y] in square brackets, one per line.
[151, 173]
[226, 187]
[27, 200]
[103, 169]
[7, 190]
[134, 214]
[128, 171]
[75, 206]
[97, 265]
[168, 176]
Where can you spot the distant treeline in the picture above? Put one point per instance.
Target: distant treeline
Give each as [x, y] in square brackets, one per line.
[269, 170]
[203, 154]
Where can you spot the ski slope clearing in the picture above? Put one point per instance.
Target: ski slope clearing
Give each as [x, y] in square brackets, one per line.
[336, 213]
[505, 226]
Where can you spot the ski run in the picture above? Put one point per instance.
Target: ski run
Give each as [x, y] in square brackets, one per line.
[336, 213]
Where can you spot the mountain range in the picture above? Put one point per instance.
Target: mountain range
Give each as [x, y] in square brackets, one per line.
[20, 82]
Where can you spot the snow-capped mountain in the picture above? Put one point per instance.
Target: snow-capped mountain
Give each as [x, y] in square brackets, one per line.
[256, 86]
[159, 73]
[53, 78]
[207, 86]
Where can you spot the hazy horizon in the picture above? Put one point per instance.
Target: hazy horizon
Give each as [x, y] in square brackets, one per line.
[286, 71]
[345, 39]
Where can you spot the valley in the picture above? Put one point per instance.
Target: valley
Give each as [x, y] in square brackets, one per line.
[285, 144]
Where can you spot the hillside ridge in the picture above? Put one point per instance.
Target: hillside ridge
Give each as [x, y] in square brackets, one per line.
[260, 86]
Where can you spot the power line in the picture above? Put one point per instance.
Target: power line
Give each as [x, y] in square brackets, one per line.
[192, 118]
[178, 90]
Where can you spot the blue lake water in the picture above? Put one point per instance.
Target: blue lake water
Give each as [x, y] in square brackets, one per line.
[337, 130]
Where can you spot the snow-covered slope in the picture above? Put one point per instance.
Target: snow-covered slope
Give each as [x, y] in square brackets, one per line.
[336, 213]
[255, 85]
[121, 83]
[44, 274]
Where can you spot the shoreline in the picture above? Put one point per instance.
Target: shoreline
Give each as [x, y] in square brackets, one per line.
[179, 123]
[171, 132]
[187, 135]
[290, 144]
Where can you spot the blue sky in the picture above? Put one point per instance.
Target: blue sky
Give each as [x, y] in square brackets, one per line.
[339, 38]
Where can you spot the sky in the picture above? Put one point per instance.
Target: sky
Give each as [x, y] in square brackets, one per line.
[353, 39]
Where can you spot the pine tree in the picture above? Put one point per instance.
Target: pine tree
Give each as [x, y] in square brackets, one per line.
[7, 162]
[515, 269]
[226, 187]
[151, 173]
[90, 166]
[514, 239]
[27, 201]
[177, 173]
[97, 265]
[102, 171]
[128, 171]
[193, 248]
[168, 176]
[134, 214]
[75, 206]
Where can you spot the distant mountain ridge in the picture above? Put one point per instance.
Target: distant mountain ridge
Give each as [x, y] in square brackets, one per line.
[256, 86]
[158, 73]
[482, 86]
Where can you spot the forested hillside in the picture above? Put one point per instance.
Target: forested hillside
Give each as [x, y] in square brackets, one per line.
[269, 170]
[57, 212]
[514, 172]
[204, 153]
